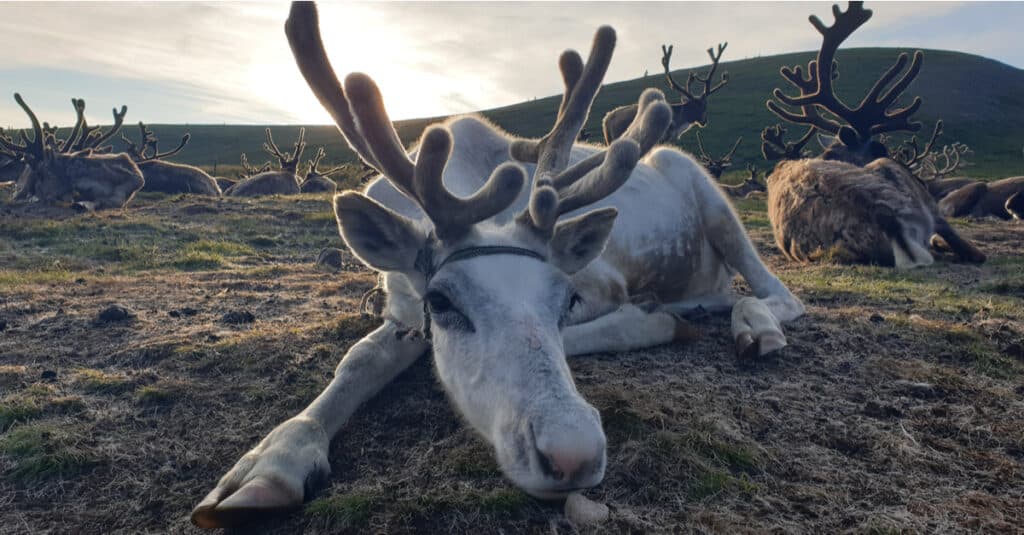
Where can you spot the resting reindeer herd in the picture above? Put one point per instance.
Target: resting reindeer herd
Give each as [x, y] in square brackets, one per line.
[505, 256]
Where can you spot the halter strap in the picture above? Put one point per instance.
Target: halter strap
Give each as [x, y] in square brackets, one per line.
[466, 254]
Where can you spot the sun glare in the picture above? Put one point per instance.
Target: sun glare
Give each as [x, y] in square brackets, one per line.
[375, 46]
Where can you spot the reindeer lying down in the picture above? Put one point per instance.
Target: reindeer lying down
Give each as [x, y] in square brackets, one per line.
[503, 282]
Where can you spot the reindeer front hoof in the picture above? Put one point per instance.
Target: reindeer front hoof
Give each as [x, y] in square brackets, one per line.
[746, 347]
[684, 330]
[257, 498]
[767, 344]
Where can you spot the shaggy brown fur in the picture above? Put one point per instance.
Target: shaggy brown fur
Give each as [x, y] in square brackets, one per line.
[983, 199]
[821, 209]
[268, 183]
[102, 180]
[170, 177]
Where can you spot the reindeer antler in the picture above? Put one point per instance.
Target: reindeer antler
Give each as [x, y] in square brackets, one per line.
[911, 155]
[288, 162]
[713, 165]
[35, 147]
[706, 80]
[773, 147]
[148, 150]
[557, 187]
[315, 163]
[248, 170]
[872, 115]
[951, 156]
[92, 137]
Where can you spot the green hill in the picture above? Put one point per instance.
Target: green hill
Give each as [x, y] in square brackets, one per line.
[980, 100]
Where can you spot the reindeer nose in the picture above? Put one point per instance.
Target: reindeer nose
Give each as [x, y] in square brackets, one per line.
[568, 464]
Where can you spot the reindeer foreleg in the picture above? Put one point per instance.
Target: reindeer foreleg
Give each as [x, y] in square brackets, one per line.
[287, 465]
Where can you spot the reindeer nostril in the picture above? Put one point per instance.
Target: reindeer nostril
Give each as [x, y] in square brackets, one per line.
[548, 467]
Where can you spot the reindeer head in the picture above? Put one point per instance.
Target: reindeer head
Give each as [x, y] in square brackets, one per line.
[716, 166]
[496, 287]
[853, 128]
[692, 108]
[75, 169]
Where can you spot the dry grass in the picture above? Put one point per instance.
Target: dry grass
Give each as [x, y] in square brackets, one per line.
[896, 408]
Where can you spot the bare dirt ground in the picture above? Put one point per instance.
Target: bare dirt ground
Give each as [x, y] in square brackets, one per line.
[897, 407]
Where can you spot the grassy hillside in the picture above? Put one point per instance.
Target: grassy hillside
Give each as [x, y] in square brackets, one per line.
[981, 101]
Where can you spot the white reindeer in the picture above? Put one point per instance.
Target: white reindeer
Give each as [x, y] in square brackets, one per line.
[510, 289]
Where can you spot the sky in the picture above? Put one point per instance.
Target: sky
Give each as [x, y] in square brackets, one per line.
[214, 63]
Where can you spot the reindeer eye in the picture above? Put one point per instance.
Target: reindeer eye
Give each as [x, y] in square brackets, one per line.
[444, 314]
[438, 303]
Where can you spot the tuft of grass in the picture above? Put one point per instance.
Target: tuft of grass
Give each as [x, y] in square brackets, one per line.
[220, 247]
[156, 394]
[11, 375]
[98, 382]
[197, 260]
[345, 511]
[42, 451]
[11, 277]
[36, 401]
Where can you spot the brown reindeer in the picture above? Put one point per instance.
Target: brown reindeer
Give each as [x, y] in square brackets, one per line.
[74, 170]
[163, 176]
[316, 181]
[282, 182]
[1003, 199]
[692, 107]
[716, 166]
[960, 196]
[853, 204]
[749, 185]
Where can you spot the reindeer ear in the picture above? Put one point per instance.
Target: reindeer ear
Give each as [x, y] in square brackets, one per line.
[825, 141]
[580, 240]
[379, 237]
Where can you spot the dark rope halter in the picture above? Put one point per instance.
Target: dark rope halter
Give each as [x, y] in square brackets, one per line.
[466, 254]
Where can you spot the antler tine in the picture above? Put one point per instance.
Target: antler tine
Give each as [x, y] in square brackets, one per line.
[728, 155]
[130, 147]
[300, 146]
[773, 147]
[160, 155]
[315, 161]
[453, 216]
[666, 58]
[652, 120]
[551, 152]
[97, 141]
[382, 141]
[8, 143]
[79, 105]
[423, 180]
[706, 80]
[35, 146]
[303, 31]
[271, 147]
[704, 156]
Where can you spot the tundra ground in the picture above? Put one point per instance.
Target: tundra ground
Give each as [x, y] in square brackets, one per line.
[897, 407]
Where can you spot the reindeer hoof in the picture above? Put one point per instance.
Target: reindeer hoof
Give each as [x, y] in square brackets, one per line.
[750, 348]
[685, 331]
[255, 499]
[746, 347]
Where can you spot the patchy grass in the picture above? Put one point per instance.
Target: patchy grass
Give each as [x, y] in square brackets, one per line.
[36, 401]
[44, 451]
[345, 511]
[100, 382]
